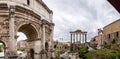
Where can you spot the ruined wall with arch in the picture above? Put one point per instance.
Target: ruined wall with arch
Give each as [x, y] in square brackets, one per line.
[20, 18]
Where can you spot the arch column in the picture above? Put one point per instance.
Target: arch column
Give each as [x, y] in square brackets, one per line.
[12, 41]
[51, 35]
[43, 35]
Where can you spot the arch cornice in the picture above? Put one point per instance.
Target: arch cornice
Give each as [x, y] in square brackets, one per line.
[27, 11]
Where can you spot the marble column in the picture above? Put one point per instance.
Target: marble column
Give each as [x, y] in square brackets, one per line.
[85, 37]
[43, 35]
[73, 41]
[12, 41]
[71, 37]
[80, 37]
[51, 36]
[76, 38]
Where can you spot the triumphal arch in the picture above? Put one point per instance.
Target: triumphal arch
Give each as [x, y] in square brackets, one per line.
[34, 19]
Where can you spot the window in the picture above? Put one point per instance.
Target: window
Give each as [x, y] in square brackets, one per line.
[117, 34]
[28, 2]
[108, 36]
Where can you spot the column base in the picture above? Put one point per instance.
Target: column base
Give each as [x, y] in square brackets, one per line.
[12, 55]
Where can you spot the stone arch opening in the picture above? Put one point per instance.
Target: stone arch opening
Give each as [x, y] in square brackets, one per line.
[29, 31]
[2, 49]
[21, 36]
[46, 46]
[31, 34]
[32, 53]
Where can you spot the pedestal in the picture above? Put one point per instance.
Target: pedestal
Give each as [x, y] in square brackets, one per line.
[12, 55]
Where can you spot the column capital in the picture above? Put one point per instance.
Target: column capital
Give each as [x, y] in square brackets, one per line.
[11, 10]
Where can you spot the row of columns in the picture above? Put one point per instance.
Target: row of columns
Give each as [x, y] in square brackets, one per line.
[80, 37]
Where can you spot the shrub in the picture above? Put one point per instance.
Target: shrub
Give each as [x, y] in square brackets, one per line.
[82, 52]
[87, 57]
[113, 41]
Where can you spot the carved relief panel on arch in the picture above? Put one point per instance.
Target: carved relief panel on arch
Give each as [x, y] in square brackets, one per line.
[4, 25]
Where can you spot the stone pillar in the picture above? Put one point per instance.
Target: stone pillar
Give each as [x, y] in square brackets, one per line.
[76, 38]
[71, 37]
[43, 29]
[80, 38]
[51, 41]
[12, 41]
[73, 41]
[43, 39]
[12, 50]
[85, 37]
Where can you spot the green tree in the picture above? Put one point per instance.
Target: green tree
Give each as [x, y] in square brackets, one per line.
[82, 52]
[1, 48]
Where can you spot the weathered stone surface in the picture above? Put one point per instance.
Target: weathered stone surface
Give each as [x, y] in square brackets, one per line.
[33, 18]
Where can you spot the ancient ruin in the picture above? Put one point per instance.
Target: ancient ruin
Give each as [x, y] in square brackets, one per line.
[34, 19]
[78, 38]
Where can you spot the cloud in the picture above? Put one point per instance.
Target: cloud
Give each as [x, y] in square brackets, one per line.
[87, 15]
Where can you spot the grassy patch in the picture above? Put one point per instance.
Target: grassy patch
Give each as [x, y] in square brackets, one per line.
[104, 53]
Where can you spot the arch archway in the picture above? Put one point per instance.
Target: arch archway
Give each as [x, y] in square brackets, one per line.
[31, 34]
[46, 46]
[29, 30]
[32, 53]
[22, 19]
[2, 49]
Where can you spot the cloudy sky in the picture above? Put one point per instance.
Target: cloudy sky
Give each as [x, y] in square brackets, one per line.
[87, 15]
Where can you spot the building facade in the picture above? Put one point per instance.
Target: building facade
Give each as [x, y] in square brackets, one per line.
[112, 32]
[62, 46]
[31, 17]
[21, 44]
[97, 41]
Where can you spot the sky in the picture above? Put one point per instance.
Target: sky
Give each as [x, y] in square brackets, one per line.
[86, 15]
